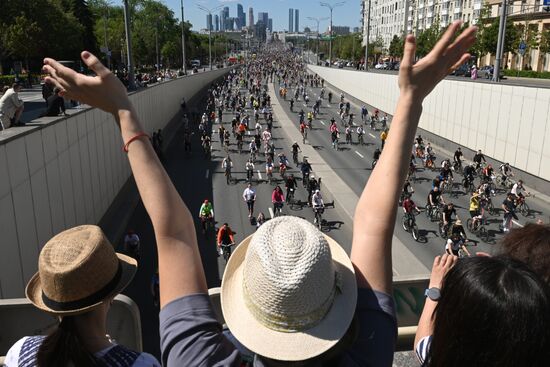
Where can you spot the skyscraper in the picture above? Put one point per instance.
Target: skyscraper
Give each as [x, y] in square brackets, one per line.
[222, 20]
[250, 17]
[217, 23]
[209, 22]
[241, 17]
[270, 24]
[290, 20]
[296, 20]
[262, 16]
[227, 21]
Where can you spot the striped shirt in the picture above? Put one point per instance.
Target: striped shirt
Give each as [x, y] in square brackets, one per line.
[423, 348]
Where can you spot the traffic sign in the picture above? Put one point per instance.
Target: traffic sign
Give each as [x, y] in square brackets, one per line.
[546, 2]
[522, 48]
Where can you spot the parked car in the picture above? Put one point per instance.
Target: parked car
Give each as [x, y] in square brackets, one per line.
[462, 70]
[486, 72]
[396, 65]
[381, 66]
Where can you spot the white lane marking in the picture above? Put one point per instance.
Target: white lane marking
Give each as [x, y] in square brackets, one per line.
[248, 132]
[359, 154]
[372, 135]
[517, 224]
[259, 175]
[305, 105]
[329, 106]
[207, 173]
[322, 122]
[271, 213]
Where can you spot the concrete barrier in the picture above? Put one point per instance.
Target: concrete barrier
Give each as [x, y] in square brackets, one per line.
[19, 318]
[66, 171]
[509, 123]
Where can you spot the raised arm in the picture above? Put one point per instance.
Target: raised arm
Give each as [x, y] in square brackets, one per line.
[176, 239]
[375, 213]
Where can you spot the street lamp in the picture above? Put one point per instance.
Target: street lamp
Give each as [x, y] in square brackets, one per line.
[318, 20]
[367, 41]
[131, 78]
[209, 12]
[331, 7]
[183, 41]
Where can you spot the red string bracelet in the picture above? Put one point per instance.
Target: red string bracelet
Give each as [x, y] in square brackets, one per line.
[134, 138]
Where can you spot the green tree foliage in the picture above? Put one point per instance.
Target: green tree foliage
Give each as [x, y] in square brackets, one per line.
[426, 39]
[396, 46]
[489, 37]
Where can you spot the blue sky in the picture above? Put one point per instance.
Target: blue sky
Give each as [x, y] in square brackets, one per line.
[346, 15]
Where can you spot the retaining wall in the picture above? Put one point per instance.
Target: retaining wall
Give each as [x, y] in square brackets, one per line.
[67, 172]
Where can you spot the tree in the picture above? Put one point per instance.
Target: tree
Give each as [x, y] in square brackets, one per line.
[489, 38]
[396, 46]
[21, 37]
[427, 39]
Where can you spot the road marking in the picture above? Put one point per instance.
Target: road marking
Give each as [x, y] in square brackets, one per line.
[359, 154]
[248, 132]
[259, 175]
[322, 122]
[207, 173]
[271, 213]
[329, 106]
[305, 105]
[517, 224]
[372, 135]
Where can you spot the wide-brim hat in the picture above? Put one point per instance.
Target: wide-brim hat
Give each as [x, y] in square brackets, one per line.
[288, 264]
[77, 270]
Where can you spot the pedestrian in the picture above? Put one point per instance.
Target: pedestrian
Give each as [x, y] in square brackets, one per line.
[474, 72]
[56, 104]
[47, 91]
[79, 275]
[11, 107]
[249, 196]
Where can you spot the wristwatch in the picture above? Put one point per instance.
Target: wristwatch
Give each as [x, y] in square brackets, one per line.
[433, 293]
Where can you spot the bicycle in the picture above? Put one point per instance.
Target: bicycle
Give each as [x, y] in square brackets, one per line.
[373, 164]
[295, 157]
[226, 251]
[319, 221]
[269, 174]
[277, 209]
[504, 181]
[228, 177]
[290, 197]
[433, 212]
[207, 222]
[478, 228]
[240, 146]
[468, 184]
[360, 139]
[408, 222]
[461, 252]
[249, 175]
[253, 156]
[522, 207]
[304, 136]
[443, 229]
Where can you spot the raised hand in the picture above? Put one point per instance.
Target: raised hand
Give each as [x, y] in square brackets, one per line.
[442, 264]
[104, 90]
[418, 80]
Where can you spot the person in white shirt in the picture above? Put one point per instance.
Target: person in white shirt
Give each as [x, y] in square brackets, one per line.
[249, 196]
[11, 107]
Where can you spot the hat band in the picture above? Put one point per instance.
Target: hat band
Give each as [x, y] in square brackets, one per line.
[86, 301]
[290, 324]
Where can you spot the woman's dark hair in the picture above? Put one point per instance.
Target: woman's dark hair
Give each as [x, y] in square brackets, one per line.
[64, 347]
[493, 311]
[531, 245]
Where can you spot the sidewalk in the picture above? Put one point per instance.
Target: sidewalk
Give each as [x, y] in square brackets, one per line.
[405, 262]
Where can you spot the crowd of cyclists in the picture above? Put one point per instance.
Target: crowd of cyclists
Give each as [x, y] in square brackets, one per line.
[238, 111]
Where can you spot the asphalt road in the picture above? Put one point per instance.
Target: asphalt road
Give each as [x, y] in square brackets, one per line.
[353, 162]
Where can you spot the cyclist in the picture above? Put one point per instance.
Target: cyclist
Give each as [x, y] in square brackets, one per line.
[506, 171]
[516, 190]
[253, 148]
[435, 198]
[260, 220]
[360, 133]
[302, 115]
[206, 212]
[226, 137]
[456, 240]
[131, 244]
[509, 207]
[221, 133]
[303, 131]
[278, 199]
[249, 166]
[291, 104]
[205, 144]
[348, 134]
[376, 155]
[305, 168]
[317, 204]
[447, 214]
[478, 158]
[335, 135]
[295, 149]
[291, 186]
[364, 113]
[269, 167]
[283, 163]
[227, 164]
[249, 197]
[488, 173]
[312, 185]
[225, 237]
[342, 97]
[407, 191]
[266, 136]
[409, 206]
[383, 137]
[469, 171]
[329, 97]
[475, 208]
[457, 158]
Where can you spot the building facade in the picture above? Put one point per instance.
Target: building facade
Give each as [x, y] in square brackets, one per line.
[296, 20]
[250, 17]
[216, 22]
[241, 17]
[209, 26]
[290, 20]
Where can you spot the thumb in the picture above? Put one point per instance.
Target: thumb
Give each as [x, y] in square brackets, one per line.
[409, 51]
[94, 64]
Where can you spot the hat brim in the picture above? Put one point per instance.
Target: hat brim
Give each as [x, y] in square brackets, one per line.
[283, 346]
[34, 288]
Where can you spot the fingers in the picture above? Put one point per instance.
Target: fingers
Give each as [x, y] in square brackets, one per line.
[409, 51]
[94, 64]
[446, 39]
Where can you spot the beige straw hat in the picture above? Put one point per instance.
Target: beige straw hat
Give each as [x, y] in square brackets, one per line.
[289, 292]
[77, 270]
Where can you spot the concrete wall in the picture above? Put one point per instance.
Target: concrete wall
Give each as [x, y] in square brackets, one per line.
[509, 123]
[68, 172]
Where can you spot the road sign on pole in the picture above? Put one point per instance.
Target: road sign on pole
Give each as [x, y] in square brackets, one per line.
[546, 2]
[522, 48]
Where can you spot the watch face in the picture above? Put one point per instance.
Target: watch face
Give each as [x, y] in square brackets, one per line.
[434, 294]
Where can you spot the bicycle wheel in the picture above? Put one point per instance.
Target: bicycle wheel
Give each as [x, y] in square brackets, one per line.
[442, 230]
[414, 232]
[469, 225]
[483, 233]
[226, 254]
[405, 223]
[525, 210]
[373, 164]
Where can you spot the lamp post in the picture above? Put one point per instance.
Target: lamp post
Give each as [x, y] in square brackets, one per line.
[209, 12]
[317, 20]
[367, 41]
[331, 8]
[184, 66]
[131, 79]
[500, 41]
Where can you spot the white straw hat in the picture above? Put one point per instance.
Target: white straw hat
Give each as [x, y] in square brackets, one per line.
[289, 292]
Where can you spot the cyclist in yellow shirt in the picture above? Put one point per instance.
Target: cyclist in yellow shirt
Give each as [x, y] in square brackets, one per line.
[383, 137]
[474, 208]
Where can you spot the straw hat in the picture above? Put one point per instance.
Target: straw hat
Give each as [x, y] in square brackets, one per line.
[77, 270]
[458, 222]
[289, 292]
